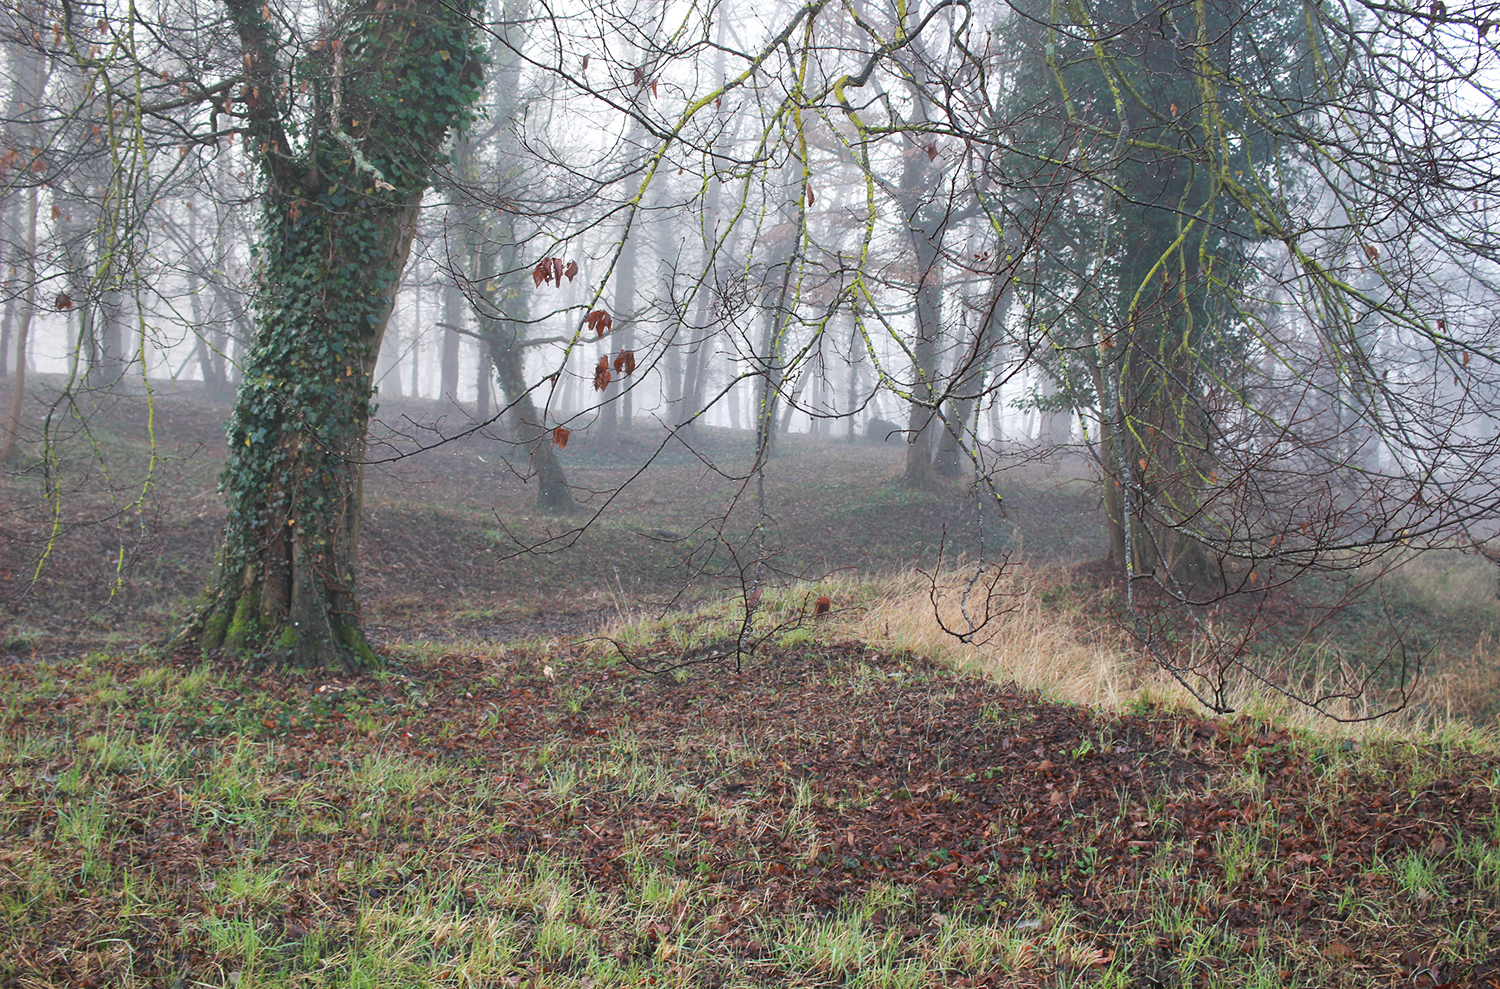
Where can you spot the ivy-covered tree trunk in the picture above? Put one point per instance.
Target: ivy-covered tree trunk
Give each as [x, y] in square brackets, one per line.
[369, 110]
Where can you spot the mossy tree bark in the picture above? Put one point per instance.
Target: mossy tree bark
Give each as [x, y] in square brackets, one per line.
[370, 107]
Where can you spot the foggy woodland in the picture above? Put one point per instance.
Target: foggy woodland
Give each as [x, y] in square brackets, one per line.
[1235, 261]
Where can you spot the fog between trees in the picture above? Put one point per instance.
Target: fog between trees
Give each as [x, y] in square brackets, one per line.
[1237, 257]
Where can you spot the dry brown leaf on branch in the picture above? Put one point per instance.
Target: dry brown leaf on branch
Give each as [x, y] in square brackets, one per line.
[551, 270]
[625, 362]
[601, 374]
[599, 321]
[560, 437]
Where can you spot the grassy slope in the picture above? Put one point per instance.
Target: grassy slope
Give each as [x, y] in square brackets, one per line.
[838, 811]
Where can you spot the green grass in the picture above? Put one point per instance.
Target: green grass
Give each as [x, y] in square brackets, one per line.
[442, 846]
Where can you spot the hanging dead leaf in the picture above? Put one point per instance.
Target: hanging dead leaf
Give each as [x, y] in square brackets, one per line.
[56, 212]
[601, 374]
[571, 271]
[625, 362]
[599, 321]
[1144, 463]
[1442, 325]
[653, 87]
[1466, 358]
[560, 437]
[585, 64]
[640, 75]
[548, 270]
[63, 302]
[810, 197]
[1372, 252]
[1174, 109]
[932, 151]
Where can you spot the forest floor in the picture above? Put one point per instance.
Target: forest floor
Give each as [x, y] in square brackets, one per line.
[545, 787]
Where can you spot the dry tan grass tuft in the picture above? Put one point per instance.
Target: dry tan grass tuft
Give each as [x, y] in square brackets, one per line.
[1024, 640]
[1035, 645]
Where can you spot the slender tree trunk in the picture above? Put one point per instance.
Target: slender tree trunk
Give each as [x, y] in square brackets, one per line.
[6, 319]
[734, 398]
[9, 233]
[924, 361]
[856, 372]
[694, 373]
[483, 379]
[553, 493]
[505, 344]
[31, 82]
[415, 391]
[28, 308]
[453, 315]
[616, 409]
[969, 378]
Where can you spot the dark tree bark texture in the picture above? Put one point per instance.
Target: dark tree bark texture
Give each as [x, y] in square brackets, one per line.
[383, 90]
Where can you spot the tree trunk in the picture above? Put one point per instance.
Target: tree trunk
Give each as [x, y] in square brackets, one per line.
[453, 314]
[504, 343]
[483, 382]
[6, 319]
[924, 360]
[415, 391]
[613, 409]
[856, 367]
[28, 308]
[734, 398]
[30, 82]
[336, 230]
[969, 384]
[553, 493]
